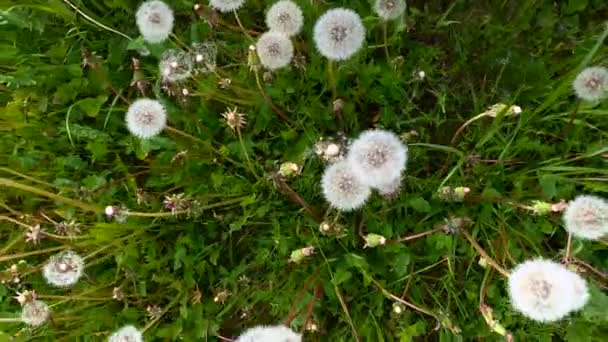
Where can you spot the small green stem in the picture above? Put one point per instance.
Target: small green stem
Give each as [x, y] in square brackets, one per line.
[31, 179]
[79, 204]
[332, 78]
[251, 168]
[181, 212]
[37, 252]
[385, 35]
[484, 254]
[238, 21]
[79, 11]
[267, 98]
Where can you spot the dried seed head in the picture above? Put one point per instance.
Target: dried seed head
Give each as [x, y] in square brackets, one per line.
[235, 119]
[128, 333]
[339, 33]
[389, 9]
[63, 269]
[587, 217]
[263, 333]
[285, 17]
[274, 50]
[591, 84]
[35, 313]
[145, 119]
[154, 20]
[342, 188]
[546, 291]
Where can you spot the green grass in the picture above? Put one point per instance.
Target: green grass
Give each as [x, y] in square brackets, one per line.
[65, 152]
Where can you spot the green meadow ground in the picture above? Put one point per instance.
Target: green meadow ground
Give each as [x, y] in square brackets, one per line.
[66, 154]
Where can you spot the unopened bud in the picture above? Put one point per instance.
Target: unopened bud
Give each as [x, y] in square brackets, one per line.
[299, 255]
[541, 208]
[338, 106]
[289, 169]
[398, 308]
[374, 240]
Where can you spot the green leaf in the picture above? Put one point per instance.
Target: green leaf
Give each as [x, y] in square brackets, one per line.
[92, 105]
[419, 204]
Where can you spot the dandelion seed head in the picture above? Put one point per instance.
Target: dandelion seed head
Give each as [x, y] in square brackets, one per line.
[154, 20]
[205, 56]
[63, 269]
[235, 119]
[128, 333]
[339, 33]
[342, 188]
[591, 84]
[35, 312]
[262, 333]
[377, 157]
[546, 291]
[389, 9]
[587, 217]
[145, 119]
[225, 6]
[285, 17]
[274, 50]
[175, 66]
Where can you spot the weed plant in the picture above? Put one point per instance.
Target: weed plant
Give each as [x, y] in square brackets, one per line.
[219, 223]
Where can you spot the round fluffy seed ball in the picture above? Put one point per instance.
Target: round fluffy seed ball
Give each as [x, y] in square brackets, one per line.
[275, 50]
[63, 269]
[587, 217]
[591, 84]
[146, 118]
[339, 33]
[377, 157]
[286, 17]
[154, 20]
[342, 188]
[35, 313]
[225, 6]
[277, 333]
[546, 291]
[128, 333]
[389, 9]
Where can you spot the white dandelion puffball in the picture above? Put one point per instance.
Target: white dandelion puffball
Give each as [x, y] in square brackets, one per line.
[339, 33]
[389, 9]
[154, 20]
[128, 333]
[175, 66]
[277, 333]
[225, 6]
[389, 188]
[377, 157]
[591, 84]
[285, 16]
[342, 188]
[546, 291]
[587, 217]
[63, 269]
[35, 313]
[146, 118]
[275, 50]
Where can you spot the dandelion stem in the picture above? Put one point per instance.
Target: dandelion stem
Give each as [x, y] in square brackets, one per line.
[181, 212]
[73, 297]
[10, 219]
[37, 252]
[242, 143]
[10, 320]
[284, 188]
[332, 79]
[180, 42]
[238, 21]
[402, 301]
[267, 99]
[566, 131]
[79, 204]
[416, 236]
[483, 253]
[566, 258]
[175, 300]
[385, 35]
[79, 11]
[31, 179]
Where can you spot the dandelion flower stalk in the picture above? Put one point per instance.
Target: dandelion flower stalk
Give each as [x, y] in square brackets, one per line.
[385, 36]
[238, 21]
[491, 261]
[332, 79]
[251, 168]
